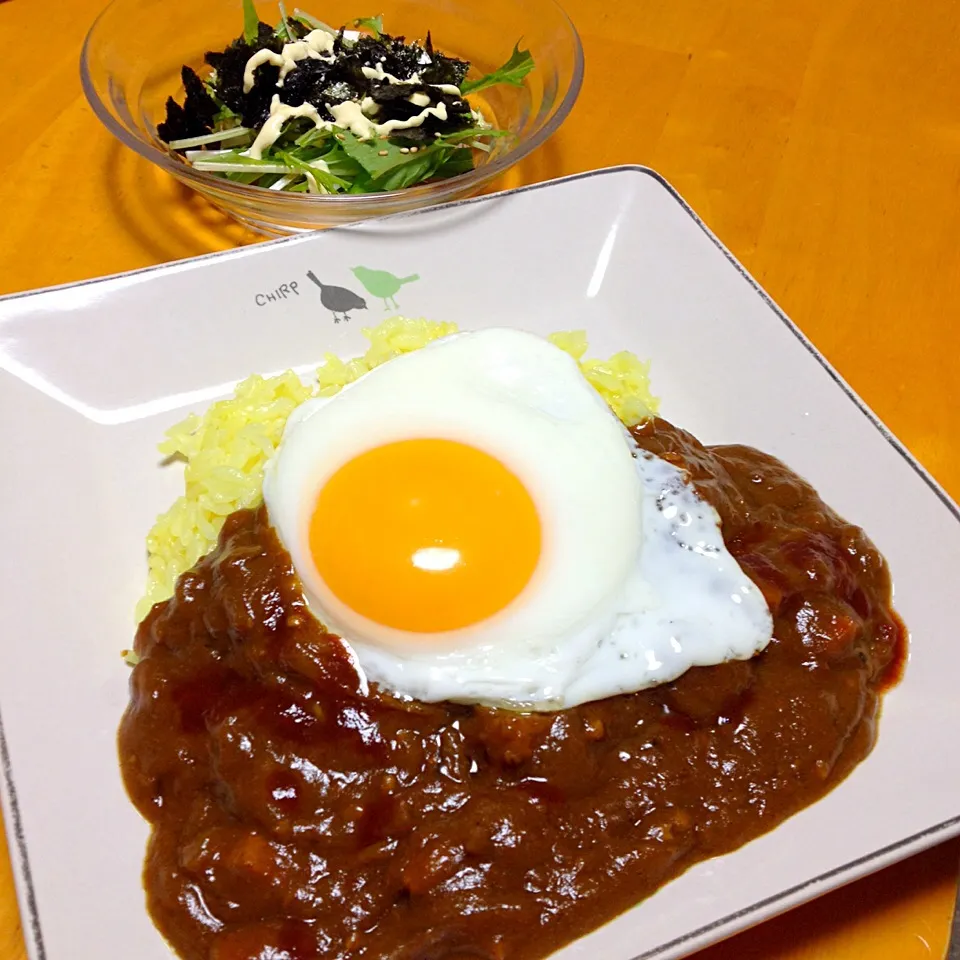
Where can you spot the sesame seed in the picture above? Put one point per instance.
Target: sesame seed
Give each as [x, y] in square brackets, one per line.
[383, 153]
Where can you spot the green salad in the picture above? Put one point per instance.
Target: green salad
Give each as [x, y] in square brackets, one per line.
[302, 107]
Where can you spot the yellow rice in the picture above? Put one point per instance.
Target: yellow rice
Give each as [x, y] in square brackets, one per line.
[225, 448]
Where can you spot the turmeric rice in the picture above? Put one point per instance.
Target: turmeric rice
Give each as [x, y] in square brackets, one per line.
[225, 449]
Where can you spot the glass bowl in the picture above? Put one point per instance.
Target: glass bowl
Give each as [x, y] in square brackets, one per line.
[133, 53]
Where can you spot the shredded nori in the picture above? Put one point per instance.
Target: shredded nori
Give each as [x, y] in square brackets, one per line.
[320, 83]
[253, 107]
[307, 155]
[195, 117]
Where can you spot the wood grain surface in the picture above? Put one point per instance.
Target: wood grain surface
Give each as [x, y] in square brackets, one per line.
[820, 139]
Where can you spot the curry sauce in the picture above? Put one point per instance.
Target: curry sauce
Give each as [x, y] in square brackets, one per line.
[297, 815]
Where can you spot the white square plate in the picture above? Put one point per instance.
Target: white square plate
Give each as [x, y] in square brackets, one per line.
[92, 374]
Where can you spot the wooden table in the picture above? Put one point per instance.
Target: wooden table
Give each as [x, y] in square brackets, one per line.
[820, 139]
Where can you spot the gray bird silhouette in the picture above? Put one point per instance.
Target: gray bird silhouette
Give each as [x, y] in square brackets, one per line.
[338, 300]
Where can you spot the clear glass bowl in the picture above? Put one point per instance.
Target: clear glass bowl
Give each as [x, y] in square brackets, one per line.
[133, 53]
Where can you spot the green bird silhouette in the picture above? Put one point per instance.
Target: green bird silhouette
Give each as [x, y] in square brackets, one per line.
[380, 283]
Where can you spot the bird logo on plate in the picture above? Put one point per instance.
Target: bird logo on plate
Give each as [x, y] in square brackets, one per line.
[341, 302]
[382, 284]
[338, 300]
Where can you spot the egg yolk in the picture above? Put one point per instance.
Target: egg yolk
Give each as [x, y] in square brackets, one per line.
[425, 535]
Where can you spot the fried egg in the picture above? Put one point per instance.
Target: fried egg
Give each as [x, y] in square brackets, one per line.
[477, 525]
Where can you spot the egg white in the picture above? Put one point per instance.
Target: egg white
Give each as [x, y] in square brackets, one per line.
[634, 584]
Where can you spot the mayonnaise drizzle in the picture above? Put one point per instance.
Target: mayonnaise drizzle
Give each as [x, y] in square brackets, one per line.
[348, 115]
[439, 111]
[315, 43]
[280, 113]
[378, 73]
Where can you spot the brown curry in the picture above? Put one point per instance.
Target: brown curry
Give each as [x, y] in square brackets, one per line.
[296, 818]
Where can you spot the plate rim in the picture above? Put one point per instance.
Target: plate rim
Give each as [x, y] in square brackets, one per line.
[690, 941]
[19, 855]
[795, 896]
